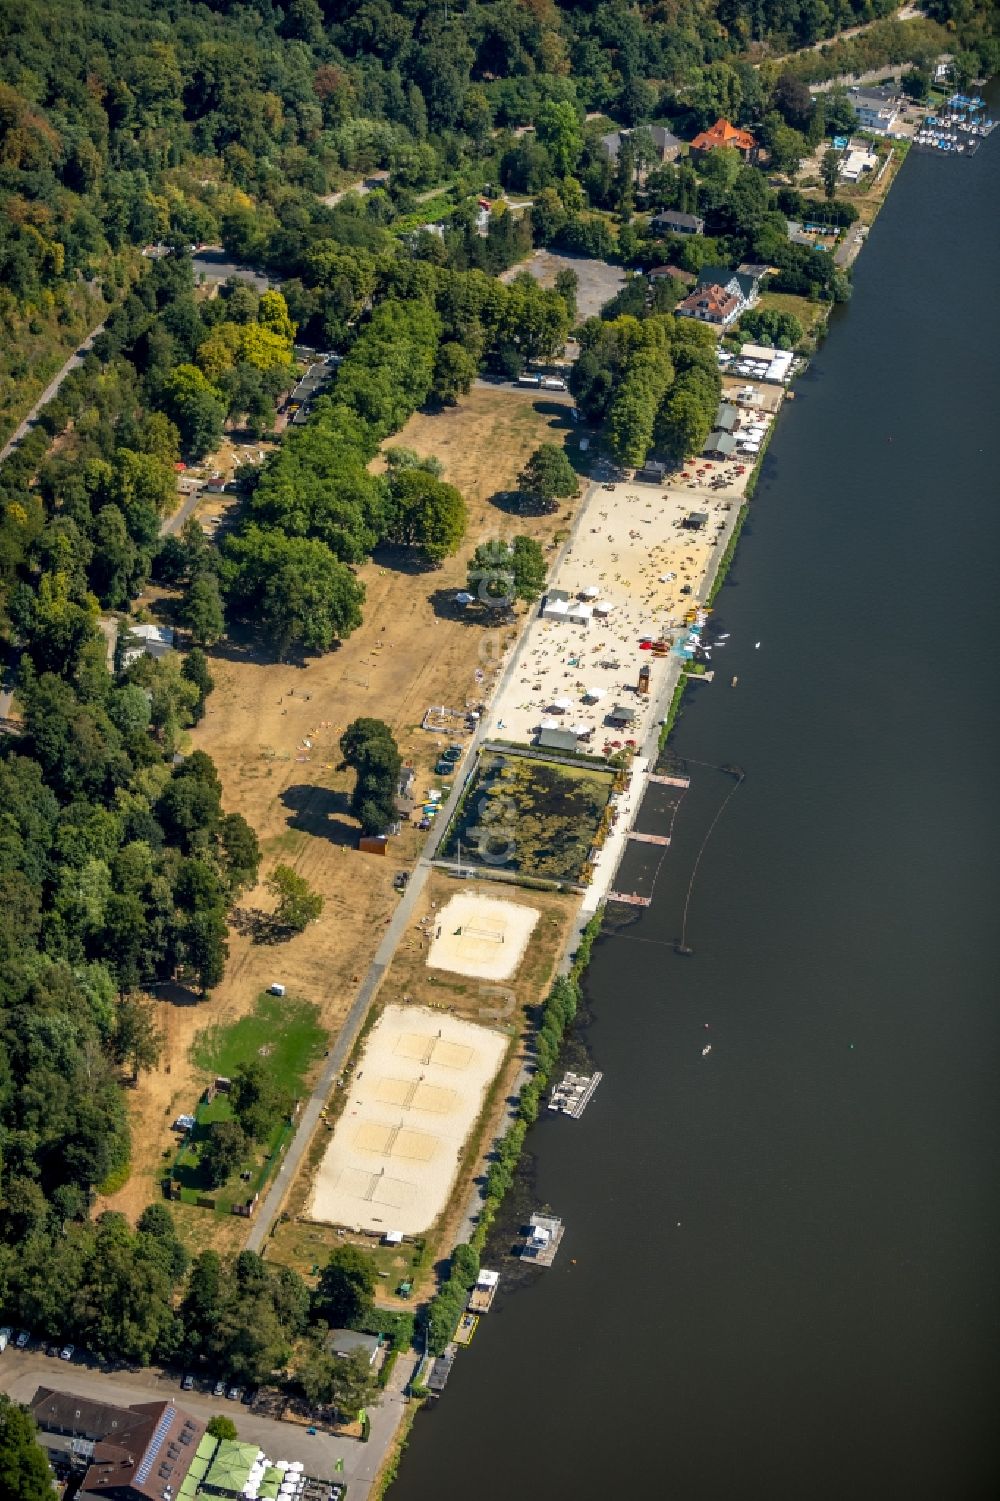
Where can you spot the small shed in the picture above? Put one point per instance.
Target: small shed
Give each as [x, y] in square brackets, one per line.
[695, 520]
[727, 418]
[622, 714]
[720, 445]
[145, 640]
[563, 740]
[344, 1342]
[373, 844]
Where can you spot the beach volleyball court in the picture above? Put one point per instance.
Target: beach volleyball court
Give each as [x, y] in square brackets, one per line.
[481, 936]
[414, 1098]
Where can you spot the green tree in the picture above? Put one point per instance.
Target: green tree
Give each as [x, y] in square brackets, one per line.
[354, 1383]
[454, 372]
[136, 1040]
[369, 748]
[830, 172]
[500, 572]
[196, 407]
[427, 514]
[548, 475]
[257, 1102]
[346, 1287]
[558, 128]
[221, 1427]
[297, 903]
[201, 610]
[23, 1466]
[226, 1149]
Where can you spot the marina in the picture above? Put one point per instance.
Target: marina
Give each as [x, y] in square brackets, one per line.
[574, 1093]
[960, 128]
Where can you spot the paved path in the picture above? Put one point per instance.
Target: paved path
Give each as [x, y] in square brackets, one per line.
[74, 360]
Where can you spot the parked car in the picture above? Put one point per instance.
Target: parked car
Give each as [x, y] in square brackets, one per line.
[187, 1384]
[23, 1339]
[248, 1398]
[5, 1337]
[219, 1389]
[234, 1393]
[67, 1352]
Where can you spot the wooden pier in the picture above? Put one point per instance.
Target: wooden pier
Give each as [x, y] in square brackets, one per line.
[665, 781]
[574, 1094]
[648, 838]
[629, 898]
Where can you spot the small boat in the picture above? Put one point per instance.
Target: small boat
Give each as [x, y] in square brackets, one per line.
[756, 646]
[706, 1050]
[734, 682]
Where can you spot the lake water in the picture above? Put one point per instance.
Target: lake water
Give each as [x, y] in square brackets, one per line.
[780, 1273]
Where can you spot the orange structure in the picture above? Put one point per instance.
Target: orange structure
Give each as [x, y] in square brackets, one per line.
[724, 134]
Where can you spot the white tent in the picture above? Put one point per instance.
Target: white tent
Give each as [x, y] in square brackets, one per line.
[561, 705]
[591, 591]
[581, 729]
[603, 607]
[594, 694]
[296, 1464]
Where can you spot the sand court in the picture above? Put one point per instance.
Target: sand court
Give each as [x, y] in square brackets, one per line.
[481, 936]
[417, 1092]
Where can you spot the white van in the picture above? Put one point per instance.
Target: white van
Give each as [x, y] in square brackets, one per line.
[5, 1335]
[553, 383]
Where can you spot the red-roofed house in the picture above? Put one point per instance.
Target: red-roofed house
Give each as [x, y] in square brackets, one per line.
[711, 304]
[724, 134]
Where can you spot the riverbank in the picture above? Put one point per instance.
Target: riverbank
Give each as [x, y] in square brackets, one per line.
[811, 1195]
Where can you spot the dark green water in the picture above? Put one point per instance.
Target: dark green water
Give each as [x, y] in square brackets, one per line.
[780, 1277]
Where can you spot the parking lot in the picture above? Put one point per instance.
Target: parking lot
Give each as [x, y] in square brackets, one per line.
[597, 281]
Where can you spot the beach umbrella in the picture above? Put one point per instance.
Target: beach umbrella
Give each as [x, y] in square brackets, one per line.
[296, 1464]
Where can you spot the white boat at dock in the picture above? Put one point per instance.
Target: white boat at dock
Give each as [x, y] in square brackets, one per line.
[574, 1093]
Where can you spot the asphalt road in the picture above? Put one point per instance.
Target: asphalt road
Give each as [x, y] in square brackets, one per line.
[74, 360]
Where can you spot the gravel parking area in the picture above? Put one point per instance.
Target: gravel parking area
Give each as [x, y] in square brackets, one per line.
[598, 282]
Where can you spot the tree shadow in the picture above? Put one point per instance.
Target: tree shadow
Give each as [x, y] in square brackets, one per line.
[170, 990]
[522, 503]
[245, 643]
[408, 560]
[321, 811]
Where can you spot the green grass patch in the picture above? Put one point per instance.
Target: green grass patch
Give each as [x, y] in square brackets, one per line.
[281, 1029]
[809, 314]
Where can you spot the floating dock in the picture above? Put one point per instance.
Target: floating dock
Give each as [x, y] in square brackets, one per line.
[630, 898]
[648, 838]
[665, 781]
[545, 1233]
[466, 1329]
[485, 1290]
[574, 1094]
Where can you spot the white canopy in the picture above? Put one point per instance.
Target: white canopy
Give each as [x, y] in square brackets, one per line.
[603, 607]
[595, 693]
[562, 704]
[550, 724]
[581, 729]
[591, 591]
[296, 1464]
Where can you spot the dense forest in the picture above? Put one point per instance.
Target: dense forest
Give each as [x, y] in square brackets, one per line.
[182, 123]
